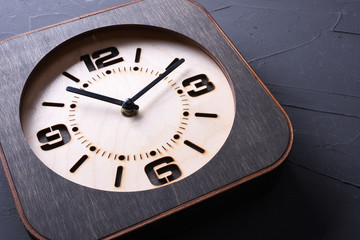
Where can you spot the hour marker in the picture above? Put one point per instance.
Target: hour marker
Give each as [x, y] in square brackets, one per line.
[206, 115]
[68, 75]
[118, 176]
[172, 63]
[52, 104]
[138, 54]
[194, 146]
[78, 163]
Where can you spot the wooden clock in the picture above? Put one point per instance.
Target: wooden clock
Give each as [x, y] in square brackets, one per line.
[122, 117]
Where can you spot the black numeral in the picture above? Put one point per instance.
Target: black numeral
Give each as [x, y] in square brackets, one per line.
[103, 58]
[88, 62]
[162, 171]
[53, 137]
[198, 84]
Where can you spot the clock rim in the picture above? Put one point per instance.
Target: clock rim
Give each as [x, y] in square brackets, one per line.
[178, 208]
[115, 29]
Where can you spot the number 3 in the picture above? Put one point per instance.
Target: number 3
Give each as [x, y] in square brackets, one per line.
[200, 84]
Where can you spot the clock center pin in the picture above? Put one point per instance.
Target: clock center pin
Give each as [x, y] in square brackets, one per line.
[129, 108]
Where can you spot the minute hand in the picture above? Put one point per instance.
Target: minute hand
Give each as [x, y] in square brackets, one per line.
[158, 79]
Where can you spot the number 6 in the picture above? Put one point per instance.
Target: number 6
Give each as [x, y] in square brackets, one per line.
[162, 171]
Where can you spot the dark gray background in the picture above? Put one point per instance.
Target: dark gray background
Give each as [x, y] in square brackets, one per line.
[308, 54]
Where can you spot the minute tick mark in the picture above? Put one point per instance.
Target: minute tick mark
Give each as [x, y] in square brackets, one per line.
[138, 54]
[71, 77]
[53, 104]
[206, 115]
[78, 163]
[194, 146]
[119, 171]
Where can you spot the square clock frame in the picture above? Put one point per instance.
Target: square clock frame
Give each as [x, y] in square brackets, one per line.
[200, 121]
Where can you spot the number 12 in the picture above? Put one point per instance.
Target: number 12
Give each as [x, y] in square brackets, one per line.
[107, 58]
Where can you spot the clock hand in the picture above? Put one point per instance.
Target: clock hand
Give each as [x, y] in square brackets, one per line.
[97, 96]
[129, 108]
[129, 104]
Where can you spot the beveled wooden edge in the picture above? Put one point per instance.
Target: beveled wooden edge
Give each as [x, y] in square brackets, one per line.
[199, 199]
[291, 132]
[37, 235]
[72, 20]
[233, 184]
[15, 196]
[18, 206]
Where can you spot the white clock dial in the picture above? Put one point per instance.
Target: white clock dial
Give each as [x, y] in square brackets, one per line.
[74, 119]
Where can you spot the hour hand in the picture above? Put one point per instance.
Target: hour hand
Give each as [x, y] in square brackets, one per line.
[95, 96]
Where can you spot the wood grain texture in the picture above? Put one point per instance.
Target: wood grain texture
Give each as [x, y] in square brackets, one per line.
[158, 130]
[58, 209]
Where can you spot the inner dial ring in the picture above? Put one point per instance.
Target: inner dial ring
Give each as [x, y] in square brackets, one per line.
[181, 124]
[168, 115]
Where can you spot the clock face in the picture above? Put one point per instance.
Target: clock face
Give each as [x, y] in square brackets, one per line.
[74, 117]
